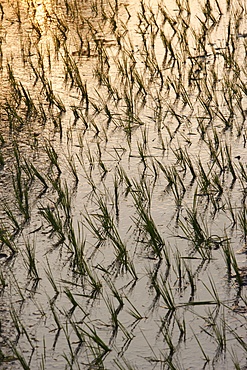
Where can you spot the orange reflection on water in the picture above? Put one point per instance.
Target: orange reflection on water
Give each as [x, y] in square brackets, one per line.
[40, 12]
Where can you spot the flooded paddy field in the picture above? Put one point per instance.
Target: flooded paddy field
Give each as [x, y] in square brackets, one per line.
[123, 183]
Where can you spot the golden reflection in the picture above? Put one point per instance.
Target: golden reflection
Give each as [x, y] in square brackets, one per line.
[41, 13]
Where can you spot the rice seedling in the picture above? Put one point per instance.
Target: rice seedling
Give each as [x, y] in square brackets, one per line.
[110, 231]
[219, 332]
[179, 269]
[59, 326]
[171, 347]
[191, 280]
[72, 300]
[12, 218]
[52, 98]
[230, 164]
[72, 361]
[19, 355]
[21, 196]
[116, 293]
[77, 329]
[97, 232]
[21, 330]
[213, 147]
[114, 316]
[204, 179]
[134, 312]
[235, 360]
[141, 195]
[92, 335]
[7, 240]
[51, 279]
[16, 286]
[94, 281]
[30, 260]
[14, 84]
[52, 216]
[242, 217]
[14, 119]
[53, 157]
[237, 337]
[28, 102]
[72, 166]
[39, 176]
[166, 293]
[16, 323]
[64, 200]
[146, 223]
[77, 247]
[213, 292]
[197, 233]
[242, 172]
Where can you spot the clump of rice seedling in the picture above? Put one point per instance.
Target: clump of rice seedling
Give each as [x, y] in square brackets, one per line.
[144, 221]
[51, 279]
[195, 233]
[108, 230]
[19, 326]
[53, 156]
[21, 186]
[242, 217]
[30, 260]
[12, 218]
[39, 176]
[230, 164]
[7, 239]
[77, 246]
[53, 217]
[96, 344]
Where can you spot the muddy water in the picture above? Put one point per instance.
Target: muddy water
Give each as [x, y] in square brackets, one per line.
[118, 90]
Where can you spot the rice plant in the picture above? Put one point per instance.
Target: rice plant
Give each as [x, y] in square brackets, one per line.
[30, 260]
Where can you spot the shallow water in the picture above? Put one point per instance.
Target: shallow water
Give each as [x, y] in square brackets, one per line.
[106, 110]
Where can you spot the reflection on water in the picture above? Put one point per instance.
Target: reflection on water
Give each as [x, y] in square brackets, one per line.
[123, 183]
[41, 12]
